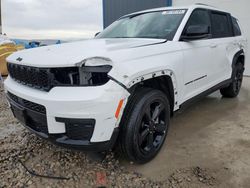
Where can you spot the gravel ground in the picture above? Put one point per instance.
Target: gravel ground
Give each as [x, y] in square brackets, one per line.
[17, 146]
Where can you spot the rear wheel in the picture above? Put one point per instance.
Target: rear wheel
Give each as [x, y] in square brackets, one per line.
[234, 88]
[145, 125]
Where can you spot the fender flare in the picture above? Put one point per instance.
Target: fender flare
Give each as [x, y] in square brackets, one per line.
[156, 74]
[236, 57]
[235, 60]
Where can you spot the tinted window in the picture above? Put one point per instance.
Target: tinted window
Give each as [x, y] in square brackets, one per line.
[220, 25]
[199, 17]
[236, 27]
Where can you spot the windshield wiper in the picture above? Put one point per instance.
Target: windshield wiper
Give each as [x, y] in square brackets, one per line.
[149, 37]
[120, 37]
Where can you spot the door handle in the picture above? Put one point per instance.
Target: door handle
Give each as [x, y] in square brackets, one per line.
[213, 46]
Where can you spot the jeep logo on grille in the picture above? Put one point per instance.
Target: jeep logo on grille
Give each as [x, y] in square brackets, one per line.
[19, 59]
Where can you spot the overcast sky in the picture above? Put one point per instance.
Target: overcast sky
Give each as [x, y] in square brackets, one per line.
[51, 19]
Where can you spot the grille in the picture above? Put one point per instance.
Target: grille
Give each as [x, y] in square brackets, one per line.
[39, 78]
[37, 124]
[46, 78]
[27, 104]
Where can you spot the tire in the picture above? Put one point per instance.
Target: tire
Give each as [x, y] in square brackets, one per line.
[144, 125]
[233, 89]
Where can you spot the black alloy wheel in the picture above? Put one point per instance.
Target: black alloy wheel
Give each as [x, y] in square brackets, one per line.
[144, 125]
[237, 78]
[153, 127]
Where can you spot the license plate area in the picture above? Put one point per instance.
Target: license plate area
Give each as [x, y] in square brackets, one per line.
[18, 112]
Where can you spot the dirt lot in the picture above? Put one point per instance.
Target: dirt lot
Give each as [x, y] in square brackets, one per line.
[208, 146]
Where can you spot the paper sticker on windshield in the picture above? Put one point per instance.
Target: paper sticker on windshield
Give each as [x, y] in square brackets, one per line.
[173, 12]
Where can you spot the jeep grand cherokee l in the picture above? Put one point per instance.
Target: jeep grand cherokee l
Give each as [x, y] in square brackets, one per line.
[123, 86]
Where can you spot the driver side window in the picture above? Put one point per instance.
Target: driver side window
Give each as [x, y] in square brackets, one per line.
[199, 17]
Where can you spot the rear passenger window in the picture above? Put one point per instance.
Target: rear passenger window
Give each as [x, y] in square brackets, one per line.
[236, 27]
[220, 25]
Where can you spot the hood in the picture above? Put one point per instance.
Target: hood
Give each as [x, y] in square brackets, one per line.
[69, 54]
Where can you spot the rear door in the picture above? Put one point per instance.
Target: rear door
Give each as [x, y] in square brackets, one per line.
[239, 42]
[222, 46]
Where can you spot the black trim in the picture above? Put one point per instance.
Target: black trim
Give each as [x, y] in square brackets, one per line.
[119, 83]
[33, 120]
[187, 24]
[97, 69]
[211, 23]
[64, 141]
[229, 21]
[195, 80]
[78, 129]
[46, 78]
[204, 94]
[233, 19]
[236, 56]
[27, 104]
[87, 145]
[231, 24]
[71, 120]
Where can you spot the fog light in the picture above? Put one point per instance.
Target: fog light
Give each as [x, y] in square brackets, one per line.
[78, 129]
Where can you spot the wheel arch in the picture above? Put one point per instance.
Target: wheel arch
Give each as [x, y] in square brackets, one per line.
[240, 55]
[163, 81]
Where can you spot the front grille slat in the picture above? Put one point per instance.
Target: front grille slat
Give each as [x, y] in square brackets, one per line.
[35, 114]
[31, 76]
[28, 104]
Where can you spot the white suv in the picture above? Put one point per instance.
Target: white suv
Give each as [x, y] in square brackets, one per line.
[122, 87]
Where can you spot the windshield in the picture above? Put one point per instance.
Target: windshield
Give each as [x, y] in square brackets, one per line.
[160, 25]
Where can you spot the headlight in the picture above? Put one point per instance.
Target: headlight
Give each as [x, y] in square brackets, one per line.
[93, 76]
[90, 72]
[95, 61]
[94, 71]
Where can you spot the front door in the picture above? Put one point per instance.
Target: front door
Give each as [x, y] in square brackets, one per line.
[197, 57]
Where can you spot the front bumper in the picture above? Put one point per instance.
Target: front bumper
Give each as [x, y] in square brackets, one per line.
[75, 104]
[36, 123]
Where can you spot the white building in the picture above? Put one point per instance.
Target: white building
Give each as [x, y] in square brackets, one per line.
[237, 8]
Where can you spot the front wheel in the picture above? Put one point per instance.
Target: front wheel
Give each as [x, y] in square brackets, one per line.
[145, 125]
[234, 88]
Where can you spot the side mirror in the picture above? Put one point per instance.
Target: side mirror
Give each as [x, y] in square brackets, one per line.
[97, 33]
[195, 32]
